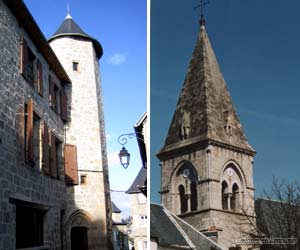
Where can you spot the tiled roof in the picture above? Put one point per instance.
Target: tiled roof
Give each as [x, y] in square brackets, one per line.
[139, 182]
[169, 230]
[114, 208]
[162, 228]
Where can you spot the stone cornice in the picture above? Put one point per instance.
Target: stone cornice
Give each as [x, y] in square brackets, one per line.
[215, 209]
[189, 146]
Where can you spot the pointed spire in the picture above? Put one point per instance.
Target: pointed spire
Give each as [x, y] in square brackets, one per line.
[205, 112]
[68, 12]
[69, 28]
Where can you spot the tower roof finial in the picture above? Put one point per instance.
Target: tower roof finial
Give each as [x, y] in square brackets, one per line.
[202, 5]
[68, 11]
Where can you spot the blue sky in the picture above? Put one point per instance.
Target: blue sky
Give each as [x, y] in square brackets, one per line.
[257, 46]
[120, 26]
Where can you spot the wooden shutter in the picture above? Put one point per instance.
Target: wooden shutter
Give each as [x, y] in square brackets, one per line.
[29, 132]
[45, 158]
[23, 55]
[40, 78]
[20, 122]
[53, 163]
[51, 92]
[64, 106]
[70, 154]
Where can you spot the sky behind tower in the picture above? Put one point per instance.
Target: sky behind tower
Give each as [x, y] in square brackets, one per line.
[257, 47]
[120, 27]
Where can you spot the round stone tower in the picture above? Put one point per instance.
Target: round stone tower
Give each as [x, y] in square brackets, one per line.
[86, 217]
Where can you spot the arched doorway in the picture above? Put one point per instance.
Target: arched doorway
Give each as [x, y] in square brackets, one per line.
[79, 238]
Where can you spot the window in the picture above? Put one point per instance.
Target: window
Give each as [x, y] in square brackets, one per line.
[45, 158]
[55, 149]
[75, 66]
[29, 227]
[26, 61]
[83, 179]
[142, 220]
[57, 100]
[183, 199]
[234, 197]
[224, 195]
[194, 198]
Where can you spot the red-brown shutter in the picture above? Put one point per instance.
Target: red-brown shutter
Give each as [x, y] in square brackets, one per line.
[53, 165]
[40, 78]
[63, 105]
[70, 154]
[21, 133]
[45, 158]
[23, 55]
[29, 132]
[51, 92]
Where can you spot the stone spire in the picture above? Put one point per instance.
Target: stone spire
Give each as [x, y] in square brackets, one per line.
[205, 113]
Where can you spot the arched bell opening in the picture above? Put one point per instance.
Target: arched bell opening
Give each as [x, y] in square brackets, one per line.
[184, 182]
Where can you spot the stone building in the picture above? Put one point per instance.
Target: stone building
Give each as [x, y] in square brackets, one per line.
[119, 229]
[207, 162]
[138, 190]
[54, 176]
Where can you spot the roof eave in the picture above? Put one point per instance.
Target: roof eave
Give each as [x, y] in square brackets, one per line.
[97, 45]
[27, 21]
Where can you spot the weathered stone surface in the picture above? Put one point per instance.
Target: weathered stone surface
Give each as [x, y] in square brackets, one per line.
[206, 136]
[86, 131]
[204, 110]
[90, 202]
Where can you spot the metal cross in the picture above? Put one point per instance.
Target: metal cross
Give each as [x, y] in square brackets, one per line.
[202, 5]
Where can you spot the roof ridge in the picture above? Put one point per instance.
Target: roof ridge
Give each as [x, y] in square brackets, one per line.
[183, 233]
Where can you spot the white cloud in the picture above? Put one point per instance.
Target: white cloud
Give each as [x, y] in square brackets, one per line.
[113, 159]
[117, 59]
[108, 137]
[122, 201]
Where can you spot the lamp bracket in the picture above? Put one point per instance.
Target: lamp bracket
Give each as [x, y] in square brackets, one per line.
[123, 139]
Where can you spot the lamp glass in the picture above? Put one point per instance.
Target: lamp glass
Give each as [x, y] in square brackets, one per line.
[124, 157]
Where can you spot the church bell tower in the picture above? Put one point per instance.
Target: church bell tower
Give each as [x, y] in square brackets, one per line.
[207, 171]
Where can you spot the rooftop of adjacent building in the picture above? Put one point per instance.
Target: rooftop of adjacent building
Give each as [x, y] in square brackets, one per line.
[169, 230]
[139, 182]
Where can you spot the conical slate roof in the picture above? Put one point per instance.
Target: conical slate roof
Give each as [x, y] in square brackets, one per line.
[70, 28]
[205, 112]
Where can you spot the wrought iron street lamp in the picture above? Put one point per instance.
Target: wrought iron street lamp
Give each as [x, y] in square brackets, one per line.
[124, 155]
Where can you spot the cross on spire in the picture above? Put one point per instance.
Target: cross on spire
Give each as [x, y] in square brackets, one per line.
[201, 6]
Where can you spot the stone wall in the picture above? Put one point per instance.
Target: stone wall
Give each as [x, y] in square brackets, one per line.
[19, 181]
[210, 164]
[86, 131]
[138, 207]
